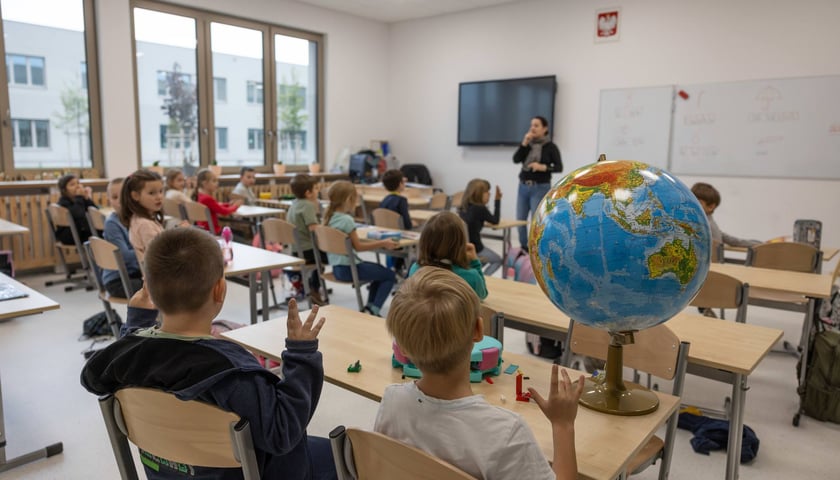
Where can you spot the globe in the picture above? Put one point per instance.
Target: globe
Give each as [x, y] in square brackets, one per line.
[620, 245]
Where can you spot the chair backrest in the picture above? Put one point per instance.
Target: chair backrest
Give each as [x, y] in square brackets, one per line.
[457, 197]
[797, 257]
[332, 240]
[280, 232]
[96, 219]
[372, 456]
[104, 254]
[197, 212]
[382, 217]
[188, 432]
[656, 350]
[723, 291]
[59, 216]
[440, 201]
[172, 208]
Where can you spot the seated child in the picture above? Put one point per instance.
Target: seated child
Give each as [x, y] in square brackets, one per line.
[76, 198]
[206, 185]
[394, 181]
[247, 179]
[304, 215]
[444, 245]
[141, 209]
[709, 198]
[181, 357]
[434, 317]
[474, 212]
[116, 233]
[175, 184]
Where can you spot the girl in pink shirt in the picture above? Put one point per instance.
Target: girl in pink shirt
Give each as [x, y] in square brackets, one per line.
[141, 204]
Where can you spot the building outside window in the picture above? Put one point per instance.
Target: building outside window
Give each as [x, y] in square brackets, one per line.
[31, 133]
[220, 89]
[26, 70]
[222, 138]
[255, 92]
[255, 139]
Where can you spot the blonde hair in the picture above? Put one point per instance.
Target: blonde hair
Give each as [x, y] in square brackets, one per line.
[444, 242]
[339, 194]
[433, 318]
[474, 193]
[171, 175]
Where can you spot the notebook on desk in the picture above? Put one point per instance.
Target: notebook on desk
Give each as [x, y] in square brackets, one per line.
[9, 292]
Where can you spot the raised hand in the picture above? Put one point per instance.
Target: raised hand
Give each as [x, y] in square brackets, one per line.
[471, 254]
[308, 330]
[527, 139]
[498, 193]
[562, 403]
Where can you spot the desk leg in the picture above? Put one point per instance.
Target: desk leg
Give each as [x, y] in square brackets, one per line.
[505, 249]
[252, 296]
[6, 465]
[266, 281]
[736, 426]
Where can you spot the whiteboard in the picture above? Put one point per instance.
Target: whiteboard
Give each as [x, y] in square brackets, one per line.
[635, 124]
[762, 128]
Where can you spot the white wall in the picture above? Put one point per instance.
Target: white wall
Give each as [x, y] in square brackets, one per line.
[356, 58]
[680, 41]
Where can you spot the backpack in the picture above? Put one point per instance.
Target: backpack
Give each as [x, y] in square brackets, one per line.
[518, 266]
[821, 391]
[830, 309]
[97, 325]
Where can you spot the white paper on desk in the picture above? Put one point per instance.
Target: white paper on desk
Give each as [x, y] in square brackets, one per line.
[9, 292]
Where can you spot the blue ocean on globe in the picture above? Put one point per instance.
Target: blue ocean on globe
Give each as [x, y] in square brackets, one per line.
[620, 245]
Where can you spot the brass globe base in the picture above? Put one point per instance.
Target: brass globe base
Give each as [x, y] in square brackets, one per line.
[612, 396]
[632, 401]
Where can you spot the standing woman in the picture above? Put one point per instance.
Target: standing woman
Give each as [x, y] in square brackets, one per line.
[539, 157]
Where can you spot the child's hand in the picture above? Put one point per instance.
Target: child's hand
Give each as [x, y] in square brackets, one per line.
[498, 193]
[562, 404]
[471, 255]
[87, 192]
[237, 203]
[141, 299]
[309, 330]
[390, 244]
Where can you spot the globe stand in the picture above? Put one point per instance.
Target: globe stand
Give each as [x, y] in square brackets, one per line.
[612, 396]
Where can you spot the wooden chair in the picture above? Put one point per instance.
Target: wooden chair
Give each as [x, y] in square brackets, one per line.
[96, 219]
[382, 217]
[723, 291]
[187, 432]
[105, 255]
[455, 200]
[439, 201]
[362, 455]
[173, 208]
[284, 233]
[331, 240]
[198, 212]
[658, 351]
[494, 323]
[58, 216]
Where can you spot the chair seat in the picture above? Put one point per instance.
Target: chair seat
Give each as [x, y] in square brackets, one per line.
[761, 294]
[647, 455]
[112, 299]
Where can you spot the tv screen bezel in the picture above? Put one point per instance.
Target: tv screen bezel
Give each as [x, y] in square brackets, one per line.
[505, 80]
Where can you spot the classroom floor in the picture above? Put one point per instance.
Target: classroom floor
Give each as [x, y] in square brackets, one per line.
[40, 361]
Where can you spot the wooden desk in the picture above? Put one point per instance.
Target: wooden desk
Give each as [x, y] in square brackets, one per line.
[413, 202]
[33, 303]
[827, 252]
[604, 443]
[724, 351]
[8, 228]
[250, 260]
[255, 211]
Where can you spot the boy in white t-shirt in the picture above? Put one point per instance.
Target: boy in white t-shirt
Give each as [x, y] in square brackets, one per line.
[434, 318]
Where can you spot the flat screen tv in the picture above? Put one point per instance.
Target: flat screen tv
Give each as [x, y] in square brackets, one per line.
[498, 112]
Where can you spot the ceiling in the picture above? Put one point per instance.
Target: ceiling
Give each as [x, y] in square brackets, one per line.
[399, 10]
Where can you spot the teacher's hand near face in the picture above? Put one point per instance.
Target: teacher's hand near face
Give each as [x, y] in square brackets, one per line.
[527, 139]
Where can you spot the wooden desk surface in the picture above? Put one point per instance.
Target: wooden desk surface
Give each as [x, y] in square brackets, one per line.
[255, 211]
[828, 252]
[247, 259]
[409, 238]
[11, 228]
[423, 215]
[18, 307]
[413, 202]
[807, 284]
[725, 345]
[604, 442]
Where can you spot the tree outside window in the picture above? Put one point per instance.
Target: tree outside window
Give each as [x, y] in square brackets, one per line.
[290, 103]
[180, 105]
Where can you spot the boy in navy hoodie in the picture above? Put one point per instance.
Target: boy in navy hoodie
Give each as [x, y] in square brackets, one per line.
[181, 357]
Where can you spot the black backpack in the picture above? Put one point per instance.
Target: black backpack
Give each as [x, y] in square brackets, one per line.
[97, 325]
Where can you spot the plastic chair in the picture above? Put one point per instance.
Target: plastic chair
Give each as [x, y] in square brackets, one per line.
[105, 255]
[658, 351]
[96, 219]
[198, 212]
[723, 291]
[173, 208]
[284, 233]
[439, 201]
[58, 216]
[331, 240]
[382, 217]
[361, 455]
[455, 200]
[187, 432]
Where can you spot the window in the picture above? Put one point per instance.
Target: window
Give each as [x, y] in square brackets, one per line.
[255, 139]
[174, 137]
[289, 94]
[220, 89]
[221, 138]
[255, 92]
[83, 75]
[166, 80]
[31, 133]
[25, 70]
[296, 71]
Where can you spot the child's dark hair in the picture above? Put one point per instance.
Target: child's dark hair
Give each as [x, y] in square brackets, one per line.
[474, 194]
[62, 184]
[130, 207]
[707, 193]
[244, 170]
[171, 175]
[444, 242]
[392, 179]
[177, 282]
[300, 184]
[202, 176]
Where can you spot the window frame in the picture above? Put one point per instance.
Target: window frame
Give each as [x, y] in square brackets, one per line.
[206, 85]
[7, 134]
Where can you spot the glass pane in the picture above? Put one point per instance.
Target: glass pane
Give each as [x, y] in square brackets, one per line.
[296, 61]
[45, 39]
[237, 61]
[165, 47]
